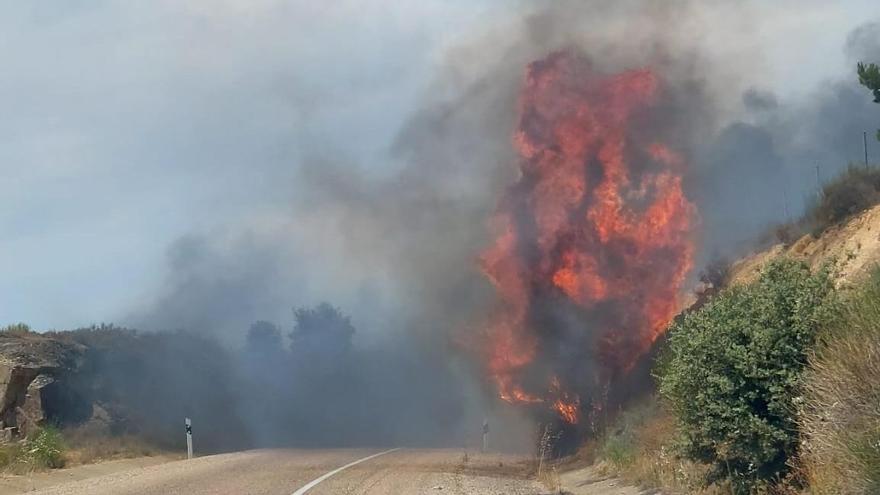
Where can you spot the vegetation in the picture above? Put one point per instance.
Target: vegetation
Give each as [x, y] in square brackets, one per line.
[43, 449]
[640, 448]
[16, 330]
[87, 444]
[840, 415]
[869, 77]
[323, 328]
[132, 389]
[52, 448]
[145, 383]
[733, 369]
[853, 191]
[263, 337]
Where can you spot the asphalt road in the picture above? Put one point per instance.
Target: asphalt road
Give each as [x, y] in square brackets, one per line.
[286, 472]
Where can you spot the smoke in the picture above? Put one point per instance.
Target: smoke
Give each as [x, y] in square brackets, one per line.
[395, 246]
[766, 167]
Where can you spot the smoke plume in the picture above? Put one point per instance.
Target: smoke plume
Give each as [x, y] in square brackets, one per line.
[398, 249]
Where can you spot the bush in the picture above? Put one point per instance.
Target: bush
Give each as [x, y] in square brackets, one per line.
[853, 191]
[625, 441]
[44, 449]
[639, 448]
[620, 448]
[733, 368]
[840, 417]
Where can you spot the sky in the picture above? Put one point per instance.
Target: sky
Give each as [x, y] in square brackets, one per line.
[130, 129]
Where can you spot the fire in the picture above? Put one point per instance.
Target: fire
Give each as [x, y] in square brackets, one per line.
[598, 222]
[567, 411]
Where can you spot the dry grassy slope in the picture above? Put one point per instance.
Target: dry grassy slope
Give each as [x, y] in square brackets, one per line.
[854, 247]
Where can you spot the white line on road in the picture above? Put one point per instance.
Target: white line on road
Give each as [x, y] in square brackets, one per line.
[311, 484]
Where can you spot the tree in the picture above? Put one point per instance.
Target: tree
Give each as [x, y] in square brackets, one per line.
[321, 337]
[263, 337]
[733, 369]
[322, 323]
[869, 77]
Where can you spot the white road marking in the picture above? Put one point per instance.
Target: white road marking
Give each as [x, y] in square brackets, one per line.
[314, 482]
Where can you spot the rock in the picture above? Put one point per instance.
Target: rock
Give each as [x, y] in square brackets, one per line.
[31, 366]
[8, 435]
[31, 413]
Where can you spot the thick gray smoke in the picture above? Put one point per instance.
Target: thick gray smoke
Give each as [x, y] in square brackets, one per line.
[766, 167]
[396, 250]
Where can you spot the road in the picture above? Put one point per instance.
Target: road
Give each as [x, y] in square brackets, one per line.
[288, 472]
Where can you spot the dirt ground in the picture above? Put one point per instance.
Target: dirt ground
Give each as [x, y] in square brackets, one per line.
[14, 484]
[587, 481]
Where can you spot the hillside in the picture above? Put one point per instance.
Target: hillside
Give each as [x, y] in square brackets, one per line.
[853, 246]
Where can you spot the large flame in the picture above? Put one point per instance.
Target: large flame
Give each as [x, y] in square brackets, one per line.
[597, 221]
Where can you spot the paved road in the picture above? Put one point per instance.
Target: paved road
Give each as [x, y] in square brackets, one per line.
[284, 472]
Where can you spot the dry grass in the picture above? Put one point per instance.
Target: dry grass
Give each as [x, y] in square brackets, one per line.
[88, 447]
[43, 449]
[639, 448]
[851, 192]
[840, 413]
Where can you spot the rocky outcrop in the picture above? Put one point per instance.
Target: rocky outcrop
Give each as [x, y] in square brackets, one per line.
[32, 369]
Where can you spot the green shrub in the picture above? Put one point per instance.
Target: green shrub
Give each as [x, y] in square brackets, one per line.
[733, 368]
[622, 442]
[44, 449]
[620, 448]
[853, 191]
[840, 415]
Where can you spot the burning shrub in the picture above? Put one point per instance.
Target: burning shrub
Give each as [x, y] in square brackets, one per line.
[593, 242]
[733, 369]
[840, 420]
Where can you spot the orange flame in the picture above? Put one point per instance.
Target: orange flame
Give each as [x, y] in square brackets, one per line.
[599, 217]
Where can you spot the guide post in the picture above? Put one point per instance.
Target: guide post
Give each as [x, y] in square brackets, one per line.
[189, 439]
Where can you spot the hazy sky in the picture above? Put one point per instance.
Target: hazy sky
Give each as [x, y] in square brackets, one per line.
[127, 125]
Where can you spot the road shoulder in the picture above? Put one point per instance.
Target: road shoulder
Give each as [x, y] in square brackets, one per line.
[15, 484]
[588, 481]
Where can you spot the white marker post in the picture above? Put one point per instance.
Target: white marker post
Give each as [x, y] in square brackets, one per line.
[485, 434]
[189, 439]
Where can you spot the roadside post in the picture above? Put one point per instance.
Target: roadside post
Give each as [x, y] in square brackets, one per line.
[189, 439]
[485, 434]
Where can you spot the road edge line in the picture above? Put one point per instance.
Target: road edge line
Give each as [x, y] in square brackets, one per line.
[316, 481]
